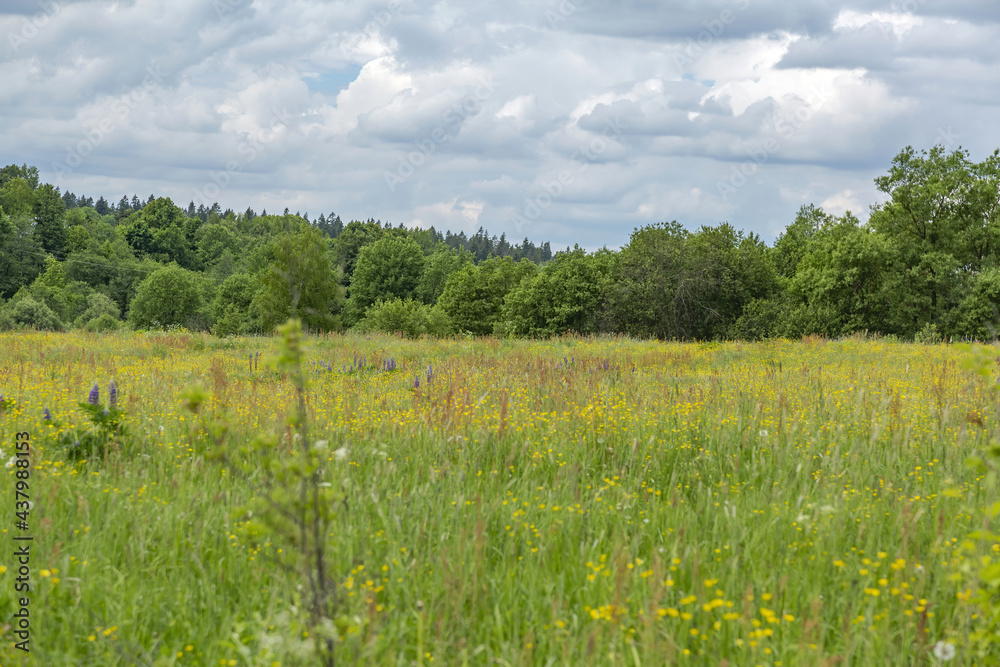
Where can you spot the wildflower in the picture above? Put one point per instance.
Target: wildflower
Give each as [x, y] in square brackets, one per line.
[47, 416]
[10, 461]
[944, 651]
[340, 454]
[763, 433]
[112, 395]
[416, 383]
[95, 395]
[430, 373]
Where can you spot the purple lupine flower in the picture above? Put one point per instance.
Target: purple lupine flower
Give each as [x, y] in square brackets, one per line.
[416, 383]
[251, 363]
[112, 395]
[95, 395]
[47, 416]
[430, 373]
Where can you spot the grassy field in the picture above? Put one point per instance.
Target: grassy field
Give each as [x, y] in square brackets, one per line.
[566, 502]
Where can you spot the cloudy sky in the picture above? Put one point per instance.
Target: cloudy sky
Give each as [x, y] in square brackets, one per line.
[571, 121]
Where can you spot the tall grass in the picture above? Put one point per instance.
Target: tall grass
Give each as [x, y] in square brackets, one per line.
[567, 502]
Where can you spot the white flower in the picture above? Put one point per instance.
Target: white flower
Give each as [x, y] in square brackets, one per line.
[944, 651]
[340, 454]
[763, 433]
[322, 444]
[10, 461]
[920, 569]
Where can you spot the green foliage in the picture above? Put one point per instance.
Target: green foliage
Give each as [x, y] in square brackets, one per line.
[233, 307]
[12, 171]
[837, 288]
[103, 324]
[391, 267]
[978, 313]
[347, 247]
[170, 296]
[929, 335]
[473, 296]
[563, 296]
[942, 229]
[410, 317]
[98, 306]
[49, 211]
[298, 283]
[21, 255]
[441, 264]
[673, 284]
[31, 314]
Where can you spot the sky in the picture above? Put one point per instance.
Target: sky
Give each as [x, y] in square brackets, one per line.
[569, 121]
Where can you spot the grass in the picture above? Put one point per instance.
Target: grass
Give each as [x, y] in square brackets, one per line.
[567, 502]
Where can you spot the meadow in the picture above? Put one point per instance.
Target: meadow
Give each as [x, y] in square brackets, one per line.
[564, 502]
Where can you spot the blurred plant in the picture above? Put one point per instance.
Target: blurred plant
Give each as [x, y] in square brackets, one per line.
[977, 560]
[296, 496]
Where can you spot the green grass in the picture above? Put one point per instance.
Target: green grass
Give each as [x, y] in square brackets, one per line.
[756, 504]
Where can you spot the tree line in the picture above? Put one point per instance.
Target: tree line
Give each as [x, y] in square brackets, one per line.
[924, 266]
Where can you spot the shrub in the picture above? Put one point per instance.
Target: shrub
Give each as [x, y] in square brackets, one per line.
[169, 296]
[32, 314]
[103, 323]
[98, 305]
[410, 317]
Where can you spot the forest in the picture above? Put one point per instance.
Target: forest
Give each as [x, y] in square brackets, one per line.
[925, 266]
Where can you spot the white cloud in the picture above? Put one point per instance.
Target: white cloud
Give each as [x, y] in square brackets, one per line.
[337, 94]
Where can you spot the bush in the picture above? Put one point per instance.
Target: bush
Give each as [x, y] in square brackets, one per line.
[103, 323]
[32, 314]
[929, 335]
[98, 306]
[233, 306]
[410, 317]
[170, 296]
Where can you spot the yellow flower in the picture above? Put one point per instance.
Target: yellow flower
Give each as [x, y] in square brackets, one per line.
[45, 573]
